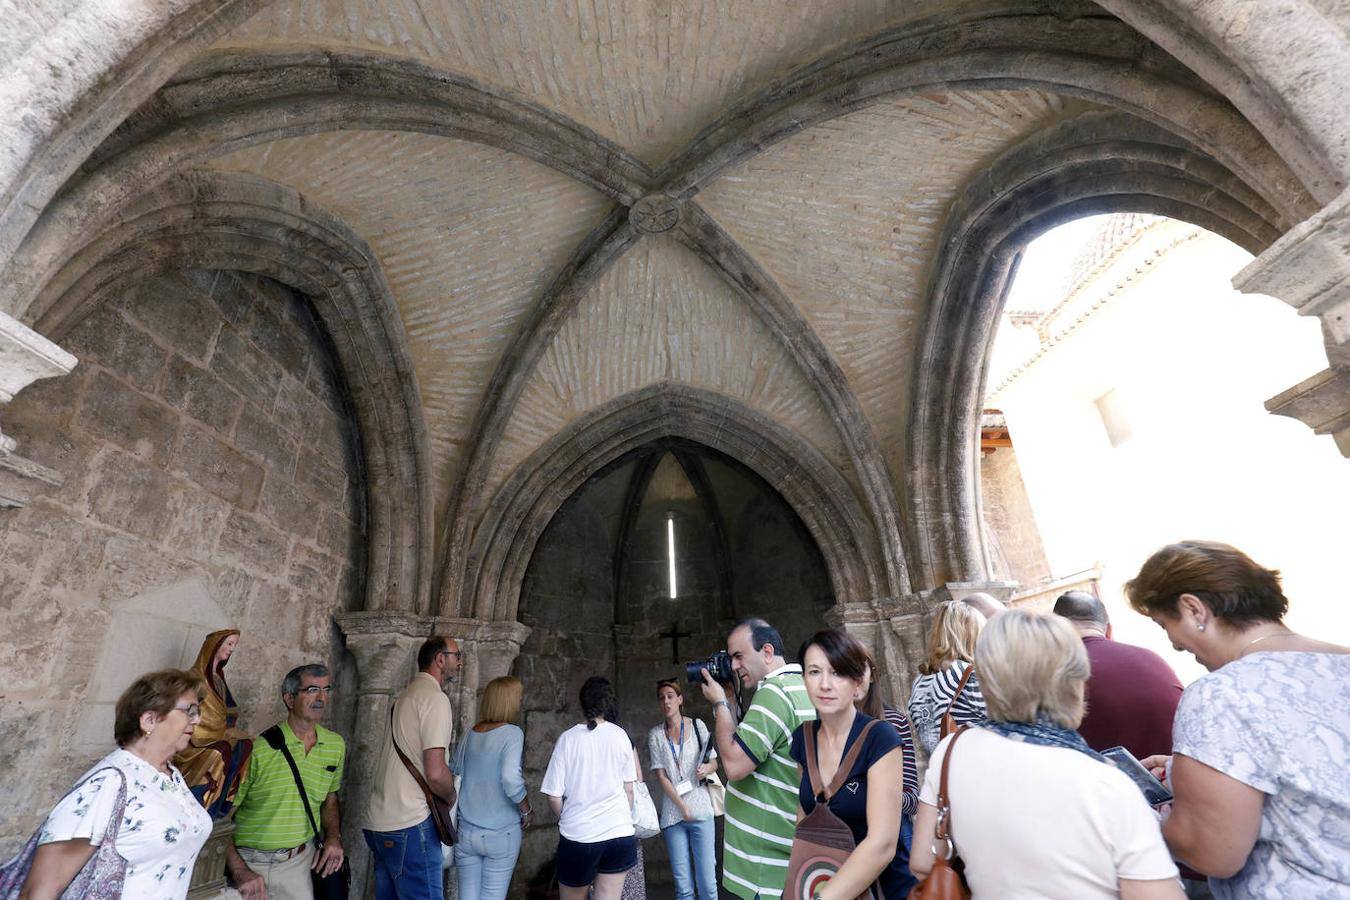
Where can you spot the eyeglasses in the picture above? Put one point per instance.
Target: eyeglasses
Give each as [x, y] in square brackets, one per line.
[193, 710]
[314, 690]
[457, 654]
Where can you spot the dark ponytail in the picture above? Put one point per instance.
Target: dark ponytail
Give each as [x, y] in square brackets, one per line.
[597, 699]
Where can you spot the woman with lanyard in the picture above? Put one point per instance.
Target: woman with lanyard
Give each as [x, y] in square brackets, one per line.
[676, 751]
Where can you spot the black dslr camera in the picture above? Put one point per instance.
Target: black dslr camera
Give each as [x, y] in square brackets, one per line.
[719, 664]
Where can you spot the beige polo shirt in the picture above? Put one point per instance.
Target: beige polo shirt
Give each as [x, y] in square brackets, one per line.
[421, 721]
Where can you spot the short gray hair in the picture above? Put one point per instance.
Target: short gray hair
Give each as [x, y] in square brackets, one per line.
[291, 683]
[1032, 666]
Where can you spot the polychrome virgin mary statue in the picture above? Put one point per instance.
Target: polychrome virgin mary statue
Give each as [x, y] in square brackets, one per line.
[216, 759]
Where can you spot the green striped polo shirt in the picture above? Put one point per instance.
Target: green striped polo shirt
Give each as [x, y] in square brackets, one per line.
[268, 812]
[761, 812]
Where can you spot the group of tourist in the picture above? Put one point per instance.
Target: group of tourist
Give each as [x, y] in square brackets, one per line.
[1024, 715]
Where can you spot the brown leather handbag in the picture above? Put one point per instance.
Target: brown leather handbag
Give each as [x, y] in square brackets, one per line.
[948, 723]
[440, 809]
[823, 842]
[945, 881]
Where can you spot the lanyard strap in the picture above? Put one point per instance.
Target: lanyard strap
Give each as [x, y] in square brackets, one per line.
[676, 754]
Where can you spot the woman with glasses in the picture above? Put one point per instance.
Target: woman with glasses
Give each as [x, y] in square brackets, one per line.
[676, 749]
[216, 759]
[133, 797]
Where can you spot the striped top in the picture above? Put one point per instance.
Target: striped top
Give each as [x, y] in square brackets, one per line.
[930, 696]
[909, 805]
[761, 815]
[268, 811]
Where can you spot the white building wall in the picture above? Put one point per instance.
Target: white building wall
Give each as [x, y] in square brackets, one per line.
[1191, 362]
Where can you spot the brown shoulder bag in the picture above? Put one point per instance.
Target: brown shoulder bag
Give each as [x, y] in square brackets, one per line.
[823, 842]
[946, 881]
[440, 810]
[949, 723]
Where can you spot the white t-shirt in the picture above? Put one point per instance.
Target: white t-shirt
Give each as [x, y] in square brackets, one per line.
[588, 770]
[1045, 822]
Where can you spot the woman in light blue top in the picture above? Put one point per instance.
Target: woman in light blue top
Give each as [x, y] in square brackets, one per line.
[493, 802]
[677, 749]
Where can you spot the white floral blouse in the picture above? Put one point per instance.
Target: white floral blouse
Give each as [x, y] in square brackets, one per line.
[162, 831]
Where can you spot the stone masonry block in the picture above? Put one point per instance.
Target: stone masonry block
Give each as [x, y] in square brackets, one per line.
[105, 336]
[234, 295]
[198, 519]
[177, 314]
[295, 407]
[279, 337]
[256, 433]
[323, 480]
[201, 395]
[115, 412]
[259, 546]
[246, 369]
[218, 467]
[274, 614]
[128, 494]
[287, 507]
[312, 571]
[325, 381]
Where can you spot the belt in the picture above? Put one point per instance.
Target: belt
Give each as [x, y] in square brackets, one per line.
[279, 855]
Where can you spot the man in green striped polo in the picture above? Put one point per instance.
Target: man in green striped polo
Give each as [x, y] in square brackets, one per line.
[273, 850]
[762, 779]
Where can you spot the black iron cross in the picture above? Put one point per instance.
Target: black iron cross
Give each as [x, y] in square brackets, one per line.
[674, 634]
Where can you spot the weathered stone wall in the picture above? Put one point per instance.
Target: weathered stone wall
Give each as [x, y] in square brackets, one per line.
[1011, 532]
[212, 478]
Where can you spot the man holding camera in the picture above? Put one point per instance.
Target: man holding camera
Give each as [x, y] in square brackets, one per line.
[762, 779]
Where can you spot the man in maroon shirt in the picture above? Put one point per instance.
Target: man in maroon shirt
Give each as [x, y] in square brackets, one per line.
[1132, 694]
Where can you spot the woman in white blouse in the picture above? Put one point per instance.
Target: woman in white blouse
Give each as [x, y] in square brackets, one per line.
[1036, 813]
[676, 748]
[163, 827]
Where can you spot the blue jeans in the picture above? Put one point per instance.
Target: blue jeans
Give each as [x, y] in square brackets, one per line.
[683, 838]
[485, 859]
[407, 863]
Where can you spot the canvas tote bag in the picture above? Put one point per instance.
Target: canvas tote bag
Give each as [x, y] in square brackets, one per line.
[823, 842]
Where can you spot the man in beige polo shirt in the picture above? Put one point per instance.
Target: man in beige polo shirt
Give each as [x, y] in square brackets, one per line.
[398, 827]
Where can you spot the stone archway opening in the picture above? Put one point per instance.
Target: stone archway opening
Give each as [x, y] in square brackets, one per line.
[643, 568]
[1127, 405]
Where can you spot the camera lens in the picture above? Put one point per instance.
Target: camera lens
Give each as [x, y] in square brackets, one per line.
[694, 671]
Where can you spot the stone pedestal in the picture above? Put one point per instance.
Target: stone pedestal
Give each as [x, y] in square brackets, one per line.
[385, 647]
[25, 357]
[208, 876]
[1309, 268]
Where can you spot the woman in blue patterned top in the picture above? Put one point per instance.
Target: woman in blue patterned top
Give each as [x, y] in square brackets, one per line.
[1260, 745]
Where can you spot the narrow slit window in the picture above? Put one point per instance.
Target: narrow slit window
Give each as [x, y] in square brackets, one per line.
[670, 554]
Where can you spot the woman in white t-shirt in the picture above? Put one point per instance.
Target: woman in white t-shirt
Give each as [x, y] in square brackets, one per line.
[1035, 813]
[589, 784]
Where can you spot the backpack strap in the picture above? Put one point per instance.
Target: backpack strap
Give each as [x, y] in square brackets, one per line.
[850, 758]
[943, 830]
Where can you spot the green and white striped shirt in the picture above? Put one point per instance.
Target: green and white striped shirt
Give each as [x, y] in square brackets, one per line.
[268, 812]
[761, 812]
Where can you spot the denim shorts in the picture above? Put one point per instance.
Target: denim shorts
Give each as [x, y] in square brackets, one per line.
[579, 863]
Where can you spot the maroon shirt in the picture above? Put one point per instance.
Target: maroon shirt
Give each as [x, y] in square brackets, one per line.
[1131, 699]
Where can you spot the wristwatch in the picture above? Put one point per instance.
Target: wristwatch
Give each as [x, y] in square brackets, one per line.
[727, 704]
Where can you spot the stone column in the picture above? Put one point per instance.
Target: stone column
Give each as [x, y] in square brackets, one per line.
[25, 357]
[385, 647]
[1309, 268]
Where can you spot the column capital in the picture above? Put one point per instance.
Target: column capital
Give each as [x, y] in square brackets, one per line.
[25, 357]
[1309, 268]
[1001, 591]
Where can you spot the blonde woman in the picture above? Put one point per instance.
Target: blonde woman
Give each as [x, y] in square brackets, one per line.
[1035, 812]
[951, 649]
[494, 806]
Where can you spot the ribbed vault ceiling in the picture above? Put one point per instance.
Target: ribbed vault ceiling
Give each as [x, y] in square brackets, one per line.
[646, 75]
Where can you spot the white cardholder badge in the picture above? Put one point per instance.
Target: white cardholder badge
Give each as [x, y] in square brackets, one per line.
[684, 787]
